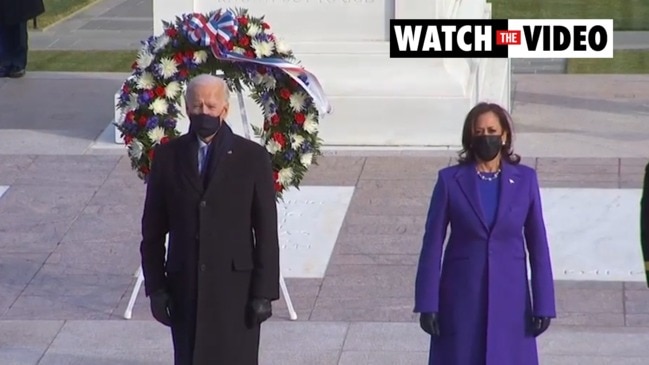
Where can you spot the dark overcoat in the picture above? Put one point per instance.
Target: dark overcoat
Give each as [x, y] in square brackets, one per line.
[644, 222]
[481, 289]
[223, 245]
[18, 11]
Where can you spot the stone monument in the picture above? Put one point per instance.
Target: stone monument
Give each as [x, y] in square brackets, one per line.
[377, 101]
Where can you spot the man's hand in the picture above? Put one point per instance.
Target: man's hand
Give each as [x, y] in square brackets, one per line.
[429, 323]
[539, 325]
[161, 307]
[259, 310]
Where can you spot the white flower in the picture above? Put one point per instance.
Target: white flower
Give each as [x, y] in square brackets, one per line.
[297, 101]
[296, 140]
[168, 67]
[269, 82]
[200, 57]
[281, 47]
[172, 90]
[285, 176]
[268, 106]
[306, 159]
[160, 43]
[253, 29]
[262, 49]
[310, 124]
[258, 79]
[146, 81]
[159, 106]
[144, 59]
[273, 147]
[132, 102]
[156, 134]
[135, 149]
[238, 50]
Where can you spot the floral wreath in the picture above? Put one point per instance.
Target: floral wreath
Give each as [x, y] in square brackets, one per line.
[248, 55]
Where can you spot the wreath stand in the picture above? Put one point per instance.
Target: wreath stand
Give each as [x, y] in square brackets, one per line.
[128, 313]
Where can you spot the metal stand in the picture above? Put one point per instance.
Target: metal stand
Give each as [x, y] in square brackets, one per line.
[128, 313]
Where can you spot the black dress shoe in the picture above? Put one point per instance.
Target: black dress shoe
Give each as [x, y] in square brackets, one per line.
[17, 73]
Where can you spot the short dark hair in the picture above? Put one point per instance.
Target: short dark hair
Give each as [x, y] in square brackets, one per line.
[467, 155]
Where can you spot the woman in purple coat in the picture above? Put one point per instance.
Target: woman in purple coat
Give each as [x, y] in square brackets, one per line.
[476, 302]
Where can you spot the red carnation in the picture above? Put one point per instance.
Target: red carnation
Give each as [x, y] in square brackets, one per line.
[184, 73]
[244, 41]
[128, 140]
[261, 70]
[125, 88]
[130, 116]
[150, 94]
[265, 25]
[229, 45]
[279, 138]
[250, 54]
[285, 93]
[278, 186]
[160, 91]
[151, 153]
[144, 169]
[164, 140]
[274, 120]
[171, 32]
[189, 54]
[142, 121]
[178, 57]
[242, 20]
[300, 118]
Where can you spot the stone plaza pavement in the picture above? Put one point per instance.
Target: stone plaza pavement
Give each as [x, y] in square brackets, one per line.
[69, 233]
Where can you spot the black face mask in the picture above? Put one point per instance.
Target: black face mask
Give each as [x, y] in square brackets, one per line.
[204, 125]
[486, 147]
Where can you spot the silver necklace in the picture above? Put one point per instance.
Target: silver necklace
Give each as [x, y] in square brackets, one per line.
[488, 178]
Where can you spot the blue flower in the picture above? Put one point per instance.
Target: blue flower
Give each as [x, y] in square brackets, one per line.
[170, 123]
[124, 97]
[143, 98]
[152, 123]
[289, 155]
[306, 147]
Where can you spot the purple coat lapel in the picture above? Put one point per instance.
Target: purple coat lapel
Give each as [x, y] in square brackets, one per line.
[508, 190]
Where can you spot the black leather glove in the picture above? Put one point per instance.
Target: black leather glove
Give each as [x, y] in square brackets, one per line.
[429, 323]
[161, 307]
[539, 325]
[259, 310]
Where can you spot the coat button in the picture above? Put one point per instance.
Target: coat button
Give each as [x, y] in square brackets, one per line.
[203, 204]
[203, 267]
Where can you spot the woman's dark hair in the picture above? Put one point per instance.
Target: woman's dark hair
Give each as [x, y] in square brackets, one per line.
[467, 155]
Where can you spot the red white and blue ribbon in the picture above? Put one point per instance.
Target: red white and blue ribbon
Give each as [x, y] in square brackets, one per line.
[217, 30]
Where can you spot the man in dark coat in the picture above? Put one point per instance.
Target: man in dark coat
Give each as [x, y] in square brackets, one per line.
[644, 222]
[213, 193]
[14, 15]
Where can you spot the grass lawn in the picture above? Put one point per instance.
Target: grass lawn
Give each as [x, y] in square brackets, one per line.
[624, 62]
[56, 10]
[626, 14]
[90, 61]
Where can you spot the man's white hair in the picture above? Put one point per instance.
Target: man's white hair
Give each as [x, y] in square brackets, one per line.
[207, 80]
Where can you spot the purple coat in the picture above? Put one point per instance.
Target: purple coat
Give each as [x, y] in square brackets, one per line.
[480, 288]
